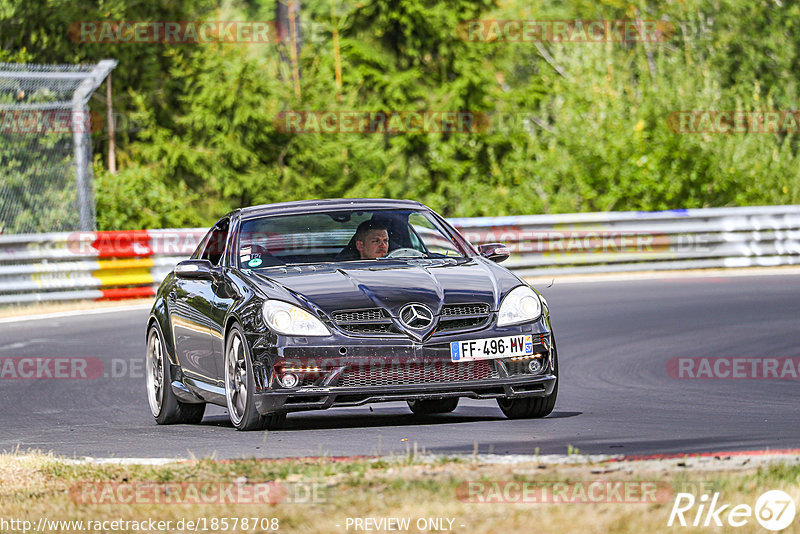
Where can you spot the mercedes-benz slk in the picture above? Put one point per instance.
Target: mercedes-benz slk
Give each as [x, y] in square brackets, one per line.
[317, 304]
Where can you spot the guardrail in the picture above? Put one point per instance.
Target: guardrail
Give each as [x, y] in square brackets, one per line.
[642, 241]
[127, 264]
[90, 265]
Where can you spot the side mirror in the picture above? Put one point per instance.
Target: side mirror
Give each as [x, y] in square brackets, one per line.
[195, 269]
[496, 252]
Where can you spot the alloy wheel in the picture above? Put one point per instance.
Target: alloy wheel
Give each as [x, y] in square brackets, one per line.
[155, 372]
[236, 378]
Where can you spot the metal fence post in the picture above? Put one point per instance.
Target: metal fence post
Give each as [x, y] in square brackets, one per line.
[37, 191]
[83, 169]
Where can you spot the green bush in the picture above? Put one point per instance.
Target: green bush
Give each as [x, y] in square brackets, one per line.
[589, 128]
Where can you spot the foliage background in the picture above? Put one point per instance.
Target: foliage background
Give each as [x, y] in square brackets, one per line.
[199, 138]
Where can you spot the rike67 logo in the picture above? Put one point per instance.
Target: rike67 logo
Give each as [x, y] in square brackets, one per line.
[774, 510]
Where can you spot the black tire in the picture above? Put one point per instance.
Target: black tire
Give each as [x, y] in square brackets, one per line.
[240, 384]
[433, 406]
[532, 407]
[164, 405]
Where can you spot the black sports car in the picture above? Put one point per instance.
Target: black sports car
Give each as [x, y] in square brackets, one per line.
[317, 304]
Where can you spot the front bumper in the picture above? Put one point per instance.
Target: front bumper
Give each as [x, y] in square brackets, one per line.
[320, 398]
[357, 371]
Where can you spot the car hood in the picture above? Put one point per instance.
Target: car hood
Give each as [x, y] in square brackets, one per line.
[393, 284]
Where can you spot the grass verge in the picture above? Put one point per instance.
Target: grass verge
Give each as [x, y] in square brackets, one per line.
[433, 494]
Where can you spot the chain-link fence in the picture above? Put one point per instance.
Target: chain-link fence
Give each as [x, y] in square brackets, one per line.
[45, 146]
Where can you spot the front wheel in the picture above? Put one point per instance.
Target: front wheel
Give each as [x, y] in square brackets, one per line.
[164, 405]
[532, 407]
[240, 385]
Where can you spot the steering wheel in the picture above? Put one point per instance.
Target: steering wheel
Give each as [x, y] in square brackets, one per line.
[405, 253]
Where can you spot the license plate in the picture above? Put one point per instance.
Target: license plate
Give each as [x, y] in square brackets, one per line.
[489, 349]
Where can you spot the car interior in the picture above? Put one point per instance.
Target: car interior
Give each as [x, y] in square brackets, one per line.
[396, 225]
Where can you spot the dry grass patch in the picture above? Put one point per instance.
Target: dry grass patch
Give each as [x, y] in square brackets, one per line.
[33, 486]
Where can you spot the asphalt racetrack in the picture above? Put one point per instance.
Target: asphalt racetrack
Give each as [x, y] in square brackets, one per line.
[616, 396]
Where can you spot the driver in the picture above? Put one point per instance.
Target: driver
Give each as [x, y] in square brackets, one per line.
[372, 240]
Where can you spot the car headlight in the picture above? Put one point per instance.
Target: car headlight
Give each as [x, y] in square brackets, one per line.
[521, 305]
[290, 320]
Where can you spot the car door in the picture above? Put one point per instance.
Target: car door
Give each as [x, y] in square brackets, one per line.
[223, 297]
[196, 325]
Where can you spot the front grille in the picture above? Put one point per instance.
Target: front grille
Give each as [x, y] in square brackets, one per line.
[350, 316]
[366, 328]
[417, 373]
[461, 324]
[450, 310]
[377, 321]
[455, 317]
[366, 321]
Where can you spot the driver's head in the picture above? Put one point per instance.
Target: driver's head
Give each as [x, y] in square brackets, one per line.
[372, 240]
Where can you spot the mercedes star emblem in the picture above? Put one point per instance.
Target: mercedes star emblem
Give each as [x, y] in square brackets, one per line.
[416, 316]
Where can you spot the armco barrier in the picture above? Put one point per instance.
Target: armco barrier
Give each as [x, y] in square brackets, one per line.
[90, 265]
[126, 264]
[637, 241]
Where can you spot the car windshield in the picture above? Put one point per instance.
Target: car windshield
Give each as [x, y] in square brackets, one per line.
[342, 236]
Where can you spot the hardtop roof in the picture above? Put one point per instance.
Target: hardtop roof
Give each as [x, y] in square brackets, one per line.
[310, 206]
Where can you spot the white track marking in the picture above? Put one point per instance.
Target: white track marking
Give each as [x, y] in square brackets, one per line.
[75, 313]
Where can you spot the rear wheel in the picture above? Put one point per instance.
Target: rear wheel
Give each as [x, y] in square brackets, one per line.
[433, 406]
[164, 405]
[532, 407]
[240, 385]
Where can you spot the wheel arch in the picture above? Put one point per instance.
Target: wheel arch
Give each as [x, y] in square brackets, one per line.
[160, 318]
[229, 322]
